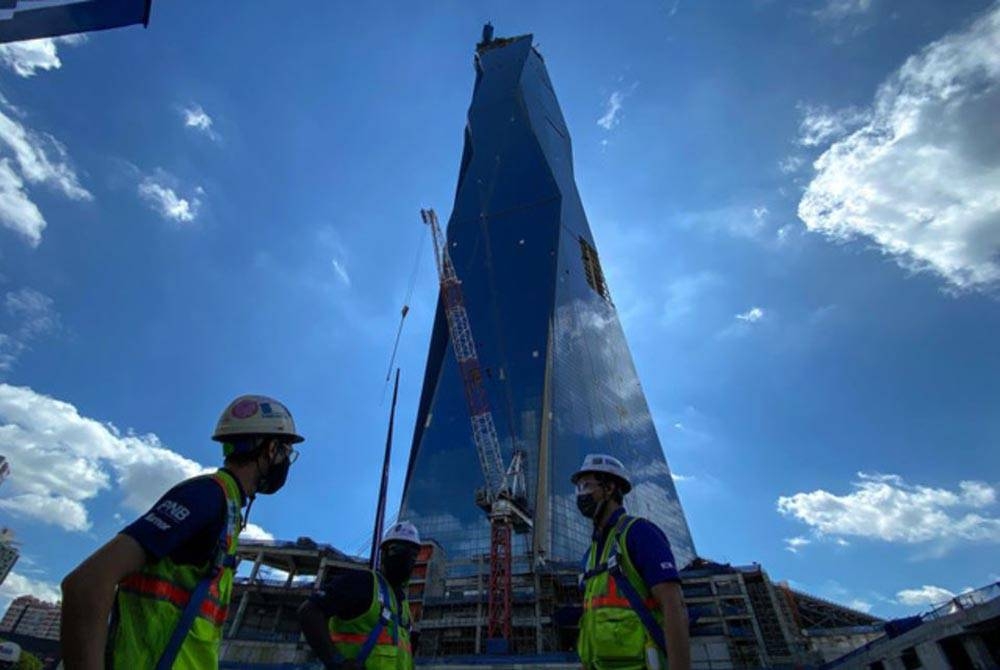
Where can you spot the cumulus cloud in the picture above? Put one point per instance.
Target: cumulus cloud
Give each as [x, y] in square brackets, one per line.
[31, 315]
[60, 460]
[920, 177]
[925, 595]
[17, 584]
[613, 109]
[163, 199]
[26, 58]
[254, 532]
[196, 118]
[794, 544]
[886, 508]
[752, 315]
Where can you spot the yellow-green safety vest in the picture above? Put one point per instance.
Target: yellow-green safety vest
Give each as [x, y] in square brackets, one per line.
[150, 601]
[612, 636]
[390, 649]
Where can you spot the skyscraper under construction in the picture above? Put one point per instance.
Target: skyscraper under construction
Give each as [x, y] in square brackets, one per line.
[555, 362]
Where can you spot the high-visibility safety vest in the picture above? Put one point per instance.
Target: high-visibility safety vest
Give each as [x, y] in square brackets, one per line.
[379, 638]
[150, 603]
[612, 633]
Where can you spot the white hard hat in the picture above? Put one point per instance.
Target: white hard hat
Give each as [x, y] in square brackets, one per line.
[404, 531]
[608, 465]
[255, 415]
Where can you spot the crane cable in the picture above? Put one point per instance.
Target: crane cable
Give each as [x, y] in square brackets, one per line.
[403, 312]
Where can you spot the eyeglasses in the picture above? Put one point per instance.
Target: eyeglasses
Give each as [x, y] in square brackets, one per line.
[290, 452]
[586, 485]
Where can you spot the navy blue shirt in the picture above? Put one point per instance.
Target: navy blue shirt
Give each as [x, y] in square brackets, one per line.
[185, 524]
[647, 546]
[349, 595]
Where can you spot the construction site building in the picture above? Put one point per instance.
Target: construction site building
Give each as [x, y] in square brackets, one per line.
[739, 617]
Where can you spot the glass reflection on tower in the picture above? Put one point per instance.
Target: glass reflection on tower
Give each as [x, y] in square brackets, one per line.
[558, 369]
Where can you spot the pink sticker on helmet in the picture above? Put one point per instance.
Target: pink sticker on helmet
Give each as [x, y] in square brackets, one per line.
[245, 409]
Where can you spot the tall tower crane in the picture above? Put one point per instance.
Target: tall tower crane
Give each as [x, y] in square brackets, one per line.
[504, 495]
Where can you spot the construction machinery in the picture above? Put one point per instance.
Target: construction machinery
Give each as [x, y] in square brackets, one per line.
[504, 494]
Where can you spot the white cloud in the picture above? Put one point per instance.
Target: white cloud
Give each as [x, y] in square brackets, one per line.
[612, 114]
[820, 125]
[790, 164]
[17, 211]
[195, 117]
[860, 605]
[254, 532]
[41, 157]
[835, 10]
[60, 460]
[921, 176]
[884, 507]
[32, 316]
[165, 201]
[794, 544]
[27, 57]
[738, 220]
[925, 595]
[681, 478]
[17, 584]
[752, 315]
[341, 271]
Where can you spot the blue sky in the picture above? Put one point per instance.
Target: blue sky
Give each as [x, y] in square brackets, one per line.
[797, 206]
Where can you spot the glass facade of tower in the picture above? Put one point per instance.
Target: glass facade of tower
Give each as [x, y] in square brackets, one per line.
[557, 366]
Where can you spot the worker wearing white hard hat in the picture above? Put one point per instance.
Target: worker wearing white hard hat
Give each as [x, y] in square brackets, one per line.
[168, 575]
[634, 617]
[362, 618]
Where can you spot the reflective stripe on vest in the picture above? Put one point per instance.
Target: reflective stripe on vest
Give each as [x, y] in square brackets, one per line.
[161, 589]
[385, 637]
[390, 618]
[614, 599]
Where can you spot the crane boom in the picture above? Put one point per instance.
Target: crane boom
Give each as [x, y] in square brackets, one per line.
[503, 496]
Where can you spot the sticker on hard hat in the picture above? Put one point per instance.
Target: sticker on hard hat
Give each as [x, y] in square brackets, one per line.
[245, 409]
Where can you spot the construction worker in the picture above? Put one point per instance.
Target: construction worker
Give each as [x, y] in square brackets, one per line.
[362, 619]
[169, 574]
[634, 616]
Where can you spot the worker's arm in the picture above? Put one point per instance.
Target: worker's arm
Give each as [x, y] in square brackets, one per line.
[675, 624]
[88, 594]
[314, 627]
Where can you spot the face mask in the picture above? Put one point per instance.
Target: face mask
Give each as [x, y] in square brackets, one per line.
[397, 566]
[587, 505]
[275, 477]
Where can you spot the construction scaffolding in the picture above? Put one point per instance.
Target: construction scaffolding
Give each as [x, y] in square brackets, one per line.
[738, 617]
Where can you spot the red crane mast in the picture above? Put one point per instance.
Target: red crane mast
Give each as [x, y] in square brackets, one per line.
[503, 496]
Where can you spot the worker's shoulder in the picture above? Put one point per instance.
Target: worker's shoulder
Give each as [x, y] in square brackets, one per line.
[200, 492]
[638, 528]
